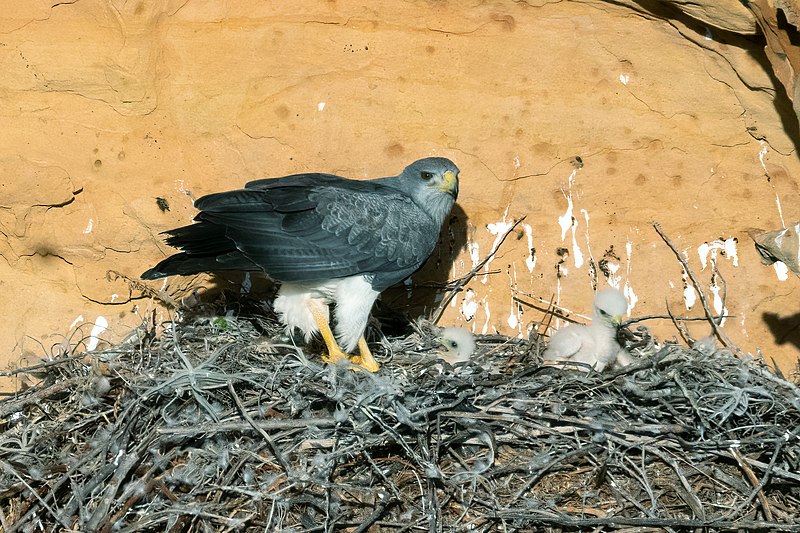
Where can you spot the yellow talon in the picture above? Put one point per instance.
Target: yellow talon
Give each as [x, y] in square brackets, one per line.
[365, 358]
[335, 354]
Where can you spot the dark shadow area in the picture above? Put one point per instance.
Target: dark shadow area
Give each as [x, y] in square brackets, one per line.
[404, 302]
[781, 100]
[786, 330]
[785, 26]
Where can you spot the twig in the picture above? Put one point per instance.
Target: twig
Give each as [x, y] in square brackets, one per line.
[270, 443]
[724, 287]
[669, 316]
[12, 406]
[709, 315]
[682, 329]
[135, 284]
[758, 486]
[237, 427]
[60, 519]
[383, 504]
[440, 309]
[41, 366]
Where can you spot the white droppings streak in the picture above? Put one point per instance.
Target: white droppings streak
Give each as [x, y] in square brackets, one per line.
[76, 321]
[624, 79]
[114, 298]
[100, 325]
[715, 290]
[89, 226]
[628, 290]
[474, 253]
[513, 321]
[689, 294]
[719, 309]
[530, 261]
[321, 106]
[702, 251]
[631, 296]
[730, 251]
[586, 219]
[728, 247]
[576, 251]
[780, 210]
[613, 279]
[498, 229]
[781, 270]
[485, 329]
[565, 221]
[469, 306]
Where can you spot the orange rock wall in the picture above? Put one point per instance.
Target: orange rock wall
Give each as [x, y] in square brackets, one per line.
[108, 105]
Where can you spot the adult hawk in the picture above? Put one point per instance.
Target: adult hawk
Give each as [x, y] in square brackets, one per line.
[327, 239]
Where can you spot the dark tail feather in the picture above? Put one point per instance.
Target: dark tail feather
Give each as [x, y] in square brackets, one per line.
[202, 238]
[204, 248]
[184, 264]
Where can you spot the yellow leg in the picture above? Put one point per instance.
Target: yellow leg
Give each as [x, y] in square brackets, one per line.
[365, 357]
[335, 354]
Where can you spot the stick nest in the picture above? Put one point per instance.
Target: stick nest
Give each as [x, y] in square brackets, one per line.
[218, 424]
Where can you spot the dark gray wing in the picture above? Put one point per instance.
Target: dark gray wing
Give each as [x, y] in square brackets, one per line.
[306, 227]
[302, 234]
[309, 179]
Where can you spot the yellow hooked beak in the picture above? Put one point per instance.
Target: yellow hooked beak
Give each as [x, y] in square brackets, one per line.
[449, 184]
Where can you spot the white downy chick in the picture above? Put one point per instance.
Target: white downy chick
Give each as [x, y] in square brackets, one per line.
[595, 344]
[459, 345]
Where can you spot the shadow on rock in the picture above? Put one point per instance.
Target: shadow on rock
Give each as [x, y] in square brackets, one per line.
[784, 329]
[420, 295]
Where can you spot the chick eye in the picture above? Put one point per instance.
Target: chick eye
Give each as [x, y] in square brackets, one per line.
[603, 312]
[453, 344]
[426, 175]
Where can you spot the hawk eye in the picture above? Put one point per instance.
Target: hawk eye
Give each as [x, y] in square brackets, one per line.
[426, 175]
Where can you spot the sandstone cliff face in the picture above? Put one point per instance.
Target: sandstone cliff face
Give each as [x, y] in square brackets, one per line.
[592, 119]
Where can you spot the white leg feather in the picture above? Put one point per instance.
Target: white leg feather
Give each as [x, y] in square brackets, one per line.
[354, 298]
[294, 305]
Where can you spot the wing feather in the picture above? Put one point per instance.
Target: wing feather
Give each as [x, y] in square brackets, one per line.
[296, 232]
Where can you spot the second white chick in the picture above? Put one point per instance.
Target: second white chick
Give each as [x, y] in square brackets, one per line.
[459, 345]
[595, 344]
